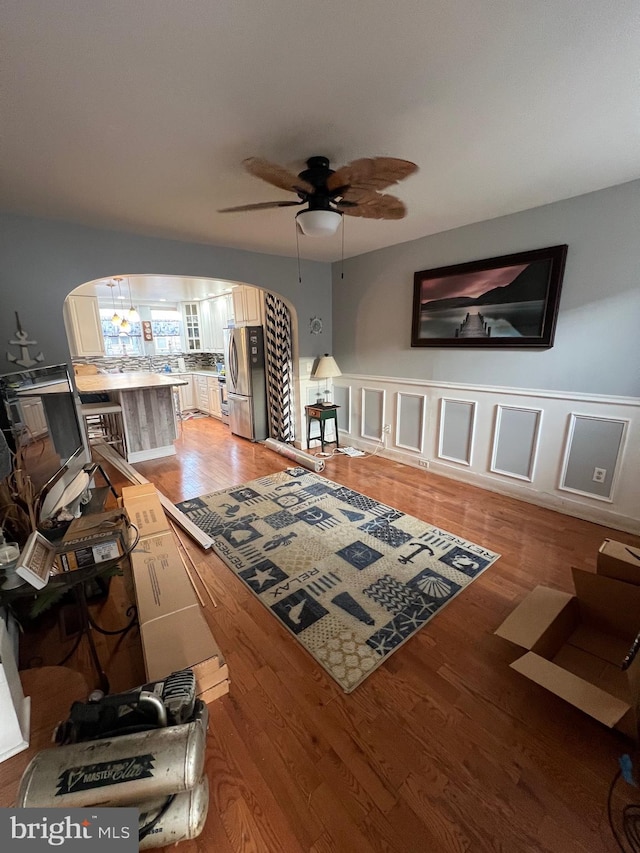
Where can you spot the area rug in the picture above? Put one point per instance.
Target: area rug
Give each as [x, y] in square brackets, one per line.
[351, 578]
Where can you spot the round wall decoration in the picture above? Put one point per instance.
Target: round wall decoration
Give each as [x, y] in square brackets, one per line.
[315, 325]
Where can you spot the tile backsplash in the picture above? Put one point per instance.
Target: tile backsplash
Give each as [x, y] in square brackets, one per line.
[132, 363]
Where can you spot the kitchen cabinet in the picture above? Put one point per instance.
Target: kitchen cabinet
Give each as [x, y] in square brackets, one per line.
[185, 393]
[214, 396]
[84, 327]
[247, 305]
[192, 326]
[221, 311]
[201, 393]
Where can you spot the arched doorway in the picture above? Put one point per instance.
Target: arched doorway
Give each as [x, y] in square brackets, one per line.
[97, 299]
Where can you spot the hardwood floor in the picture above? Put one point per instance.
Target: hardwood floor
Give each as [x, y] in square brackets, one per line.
[443, 748]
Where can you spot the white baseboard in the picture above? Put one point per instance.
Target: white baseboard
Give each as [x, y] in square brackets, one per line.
[566, 506]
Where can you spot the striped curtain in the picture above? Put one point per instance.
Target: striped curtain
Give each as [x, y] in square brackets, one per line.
[279, 368]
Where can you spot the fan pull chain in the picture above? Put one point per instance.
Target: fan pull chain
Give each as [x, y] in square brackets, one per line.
[342, 259]
[295, 225]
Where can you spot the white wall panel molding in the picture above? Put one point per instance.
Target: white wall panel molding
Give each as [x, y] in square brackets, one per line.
[342, 397]
[410, 421]
[456, 430]
[594, 445]
[549, 469]
[372, 407]
[515, 441]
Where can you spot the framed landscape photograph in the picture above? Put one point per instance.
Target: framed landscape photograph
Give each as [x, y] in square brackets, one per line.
[511, 301]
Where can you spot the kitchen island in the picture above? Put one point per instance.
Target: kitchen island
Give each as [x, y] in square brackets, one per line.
[148, 409]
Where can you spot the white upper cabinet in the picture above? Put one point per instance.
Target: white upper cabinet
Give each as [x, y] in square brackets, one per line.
[192, 327]
[221, 310]
[84, 328]
[247, 305]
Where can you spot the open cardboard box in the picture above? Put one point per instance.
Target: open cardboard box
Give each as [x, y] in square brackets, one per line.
[578, 644]
[174, 633]
[617, 560]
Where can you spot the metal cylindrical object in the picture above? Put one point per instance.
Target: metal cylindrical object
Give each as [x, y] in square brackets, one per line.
[184, 819]
[299, 456]
[116, 771]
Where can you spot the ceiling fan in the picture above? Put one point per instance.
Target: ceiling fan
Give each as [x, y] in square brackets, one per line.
[353, 189]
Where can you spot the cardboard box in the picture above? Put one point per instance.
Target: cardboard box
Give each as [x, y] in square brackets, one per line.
[91, 539]
[617, 560]
[145, 510]
[175, 635]
[161, 585]
[183, 639]
[577, 644]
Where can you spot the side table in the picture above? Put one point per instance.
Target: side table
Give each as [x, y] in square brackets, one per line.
[322, 412]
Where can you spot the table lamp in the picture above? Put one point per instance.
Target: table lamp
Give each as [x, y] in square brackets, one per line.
[326, 369]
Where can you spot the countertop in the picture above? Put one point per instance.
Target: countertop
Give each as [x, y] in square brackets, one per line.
[126, 381]
[206, 372]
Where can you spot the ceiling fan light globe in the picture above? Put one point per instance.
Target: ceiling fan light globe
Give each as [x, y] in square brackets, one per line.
[318, 223]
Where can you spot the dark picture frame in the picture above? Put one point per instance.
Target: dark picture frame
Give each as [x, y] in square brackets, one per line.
[504, 302]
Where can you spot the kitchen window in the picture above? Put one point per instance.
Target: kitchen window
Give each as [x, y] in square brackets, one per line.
[166, 327]
[116, 340]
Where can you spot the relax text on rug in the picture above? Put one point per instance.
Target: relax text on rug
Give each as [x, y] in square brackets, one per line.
[351, 578]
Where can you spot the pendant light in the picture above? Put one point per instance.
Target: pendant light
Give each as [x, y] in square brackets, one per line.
[132, 314]
[115, 318]
[121, 322]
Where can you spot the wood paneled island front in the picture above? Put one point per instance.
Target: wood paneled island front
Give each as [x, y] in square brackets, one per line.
[148, 409]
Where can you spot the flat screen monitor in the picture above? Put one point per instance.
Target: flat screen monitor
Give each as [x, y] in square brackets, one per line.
[40, 420]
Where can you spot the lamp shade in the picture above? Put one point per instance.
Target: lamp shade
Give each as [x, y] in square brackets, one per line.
[318, 223]
[327, 368]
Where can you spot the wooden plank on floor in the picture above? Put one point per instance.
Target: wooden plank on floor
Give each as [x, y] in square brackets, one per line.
[113, 458]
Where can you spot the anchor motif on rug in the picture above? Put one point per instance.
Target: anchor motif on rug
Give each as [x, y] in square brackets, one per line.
[22, 341]
[409, 558]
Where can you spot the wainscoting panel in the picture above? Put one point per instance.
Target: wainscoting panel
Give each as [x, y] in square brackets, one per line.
[372, 413]
[342, 396]
[457, 418]
[592, 443]
[515, 443]
[536, 445]
[410, 421]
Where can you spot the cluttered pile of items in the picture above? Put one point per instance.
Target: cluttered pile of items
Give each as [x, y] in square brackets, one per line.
[144, 748]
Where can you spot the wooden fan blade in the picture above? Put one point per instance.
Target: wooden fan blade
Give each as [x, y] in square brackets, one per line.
[261, 205]
[375, 206]
[371, 173]
[276, 175]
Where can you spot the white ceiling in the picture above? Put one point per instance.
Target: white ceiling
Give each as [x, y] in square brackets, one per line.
[137, 115]
[153, 289]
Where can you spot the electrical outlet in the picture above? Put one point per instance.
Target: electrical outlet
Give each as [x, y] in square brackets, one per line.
[386, 428]
[599, 475]
[424, 463]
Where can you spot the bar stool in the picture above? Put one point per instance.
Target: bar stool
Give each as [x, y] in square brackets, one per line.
[104, 423]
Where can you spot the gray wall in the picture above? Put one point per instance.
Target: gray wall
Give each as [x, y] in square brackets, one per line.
[42, 261]
[597, 342]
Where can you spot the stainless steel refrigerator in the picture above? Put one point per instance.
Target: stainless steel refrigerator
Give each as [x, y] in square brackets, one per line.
[246, 382]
